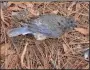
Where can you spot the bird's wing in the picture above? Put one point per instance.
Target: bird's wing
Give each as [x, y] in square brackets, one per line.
[46, 29]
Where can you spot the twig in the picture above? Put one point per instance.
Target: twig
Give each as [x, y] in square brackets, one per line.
[68, 45]
[2, 16]
[83, 14]
[23, 54]
[73, 3]
[73, 43]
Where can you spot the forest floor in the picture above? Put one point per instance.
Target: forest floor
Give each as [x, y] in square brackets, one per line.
[25, 52]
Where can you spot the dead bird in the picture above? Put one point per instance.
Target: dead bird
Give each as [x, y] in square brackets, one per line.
[45, 26]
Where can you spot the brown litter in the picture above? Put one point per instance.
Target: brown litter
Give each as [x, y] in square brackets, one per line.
[61, 53]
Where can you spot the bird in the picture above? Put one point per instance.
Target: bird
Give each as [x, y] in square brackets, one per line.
[45, 26]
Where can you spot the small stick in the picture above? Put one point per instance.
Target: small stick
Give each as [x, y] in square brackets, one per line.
[23, 54]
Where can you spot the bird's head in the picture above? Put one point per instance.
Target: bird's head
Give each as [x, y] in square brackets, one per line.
[71, 23]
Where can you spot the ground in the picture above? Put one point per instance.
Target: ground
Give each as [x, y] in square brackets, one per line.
[25, 52]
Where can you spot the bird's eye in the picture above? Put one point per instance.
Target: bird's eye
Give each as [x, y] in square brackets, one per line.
[61, 20]
[71, 21]
[59, 23]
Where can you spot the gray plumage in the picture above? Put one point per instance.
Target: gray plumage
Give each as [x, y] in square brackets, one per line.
[45, 26]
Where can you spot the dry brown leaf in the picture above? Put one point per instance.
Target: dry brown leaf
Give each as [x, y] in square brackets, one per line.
[82, 31]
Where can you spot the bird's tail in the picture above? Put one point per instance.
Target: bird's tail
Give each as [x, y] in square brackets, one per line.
[18, 31]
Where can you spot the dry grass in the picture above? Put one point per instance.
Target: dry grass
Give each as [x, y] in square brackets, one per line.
[62, 53]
